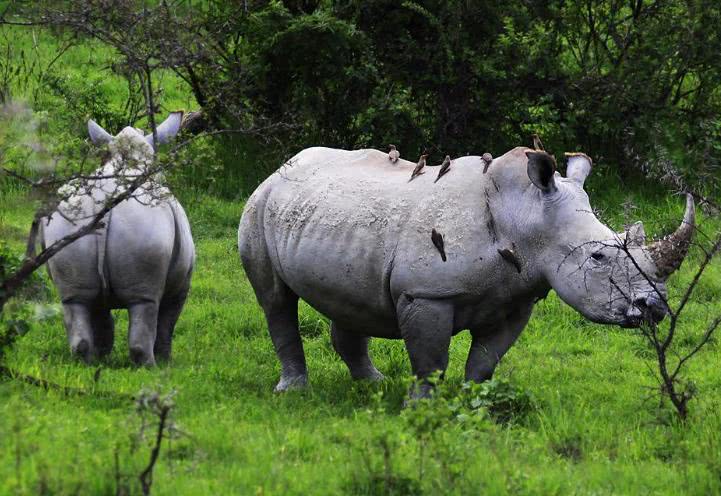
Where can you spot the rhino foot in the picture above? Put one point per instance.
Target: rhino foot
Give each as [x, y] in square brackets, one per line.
[162, 352]
[291, 382]
[140, 357]
[83, 350]
[422, 391]
[372, 374]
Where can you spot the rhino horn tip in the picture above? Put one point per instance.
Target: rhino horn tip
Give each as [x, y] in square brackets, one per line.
[668, 253]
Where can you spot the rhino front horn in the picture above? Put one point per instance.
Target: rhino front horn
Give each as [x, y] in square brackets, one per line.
[669, 252]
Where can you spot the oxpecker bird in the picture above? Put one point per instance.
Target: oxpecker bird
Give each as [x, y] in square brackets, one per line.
[487, 159]
[445, 167]
[437, 239]
[393, 154]
[419, 168]
[509, 255]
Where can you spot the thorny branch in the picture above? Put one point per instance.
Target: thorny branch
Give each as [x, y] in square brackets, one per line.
[31, 264]
[678, 391]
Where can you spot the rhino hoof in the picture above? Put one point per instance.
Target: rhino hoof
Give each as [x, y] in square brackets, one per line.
[372, 375]
[140, 357]
[294, 382]
[162, 353]
[83, 350]
[418, 392]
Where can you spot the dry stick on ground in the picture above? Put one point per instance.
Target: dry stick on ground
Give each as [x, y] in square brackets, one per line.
[66, 390]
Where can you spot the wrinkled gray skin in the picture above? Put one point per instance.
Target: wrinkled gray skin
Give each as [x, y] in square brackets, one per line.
[347, 232]
[141, 260]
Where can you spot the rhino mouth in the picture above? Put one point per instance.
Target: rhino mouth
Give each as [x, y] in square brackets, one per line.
[650, 309]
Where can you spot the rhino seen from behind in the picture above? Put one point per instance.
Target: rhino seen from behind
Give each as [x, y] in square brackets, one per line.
[141, 258]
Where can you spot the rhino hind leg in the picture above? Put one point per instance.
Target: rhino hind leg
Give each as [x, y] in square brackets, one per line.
[279, 303]
[79, 327]
[281, 312]
[168, 313]
[103, 330]
[143, 317]
[426, 327]
[353, 349]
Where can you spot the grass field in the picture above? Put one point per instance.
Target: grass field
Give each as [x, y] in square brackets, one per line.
[594, 427]
[585, 416]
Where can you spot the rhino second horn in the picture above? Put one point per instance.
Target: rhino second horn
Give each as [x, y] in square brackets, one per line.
[668, 253]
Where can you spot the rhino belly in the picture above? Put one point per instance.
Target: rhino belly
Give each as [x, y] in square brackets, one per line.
[341, 272]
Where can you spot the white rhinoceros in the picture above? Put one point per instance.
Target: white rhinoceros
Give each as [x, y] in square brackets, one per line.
[347, 232]
[142, 259]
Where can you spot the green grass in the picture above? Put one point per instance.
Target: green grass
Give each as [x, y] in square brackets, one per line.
[595, 428]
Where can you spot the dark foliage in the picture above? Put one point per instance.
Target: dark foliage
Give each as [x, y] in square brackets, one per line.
[634, 82]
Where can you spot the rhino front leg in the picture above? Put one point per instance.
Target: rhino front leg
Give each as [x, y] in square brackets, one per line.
[143, 318]
[489, 346]
[353, 349]
[426, 327]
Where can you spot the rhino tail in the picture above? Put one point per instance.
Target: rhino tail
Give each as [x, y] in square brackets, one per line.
[33, 238]
[177, 248]
[176, 239]
[102, 244]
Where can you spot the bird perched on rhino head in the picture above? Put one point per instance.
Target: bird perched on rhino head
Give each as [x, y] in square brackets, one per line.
[487, 158]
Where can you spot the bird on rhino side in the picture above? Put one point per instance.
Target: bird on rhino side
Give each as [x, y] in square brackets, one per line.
[140, 259]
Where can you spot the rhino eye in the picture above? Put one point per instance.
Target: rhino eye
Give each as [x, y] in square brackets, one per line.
[598, 256]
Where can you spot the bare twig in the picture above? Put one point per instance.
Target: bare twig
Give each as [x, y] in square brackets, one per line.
[679, 392]
[9, 286]
[160, 406]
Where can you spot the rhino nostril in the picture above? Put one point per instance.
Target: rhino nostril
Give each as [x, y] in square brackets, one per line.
[641, 303]
[649, 307]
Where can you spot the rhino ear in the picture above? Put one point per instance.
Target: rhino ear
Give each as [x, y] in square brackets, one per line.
[541, 170]
[167, 130]
[579, 167]
[635, 234]
[98, 135]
